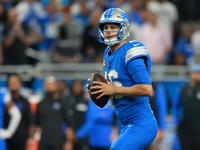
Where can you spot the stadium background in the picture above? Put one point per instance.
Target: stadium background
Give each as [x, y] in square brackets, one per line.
[171, 74]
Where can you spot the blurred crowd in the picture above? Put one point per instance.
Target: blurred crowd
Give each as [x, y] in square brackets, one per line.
[65, 31]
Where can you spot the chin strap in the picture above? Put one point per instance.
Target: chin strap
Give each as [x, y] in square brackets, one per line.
[111, 42]
[13, 124]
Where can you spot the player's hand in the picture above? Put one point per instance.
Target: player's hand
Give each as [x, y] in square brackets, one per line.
[103, 88]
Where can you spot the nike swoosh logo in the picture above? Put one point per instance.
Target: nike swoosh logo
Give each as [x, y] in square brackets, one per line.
[135, 44]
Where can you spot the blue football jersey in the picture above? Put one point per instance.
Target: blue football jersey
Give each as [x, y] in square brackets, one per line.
[129, 110]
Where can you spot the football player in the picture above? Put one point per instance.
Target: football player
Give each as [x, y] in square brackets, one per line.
[127, 69]
[13, 111]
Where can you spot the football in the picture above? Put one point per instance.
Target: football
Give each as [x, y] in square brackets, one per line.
[103, 100]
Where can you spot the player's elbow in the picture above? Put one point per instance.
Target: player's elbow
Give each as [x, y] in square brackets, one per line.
[148, 90]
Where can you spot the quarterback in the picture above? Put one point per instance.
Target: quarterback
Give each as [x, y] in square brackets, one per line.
[127, 68]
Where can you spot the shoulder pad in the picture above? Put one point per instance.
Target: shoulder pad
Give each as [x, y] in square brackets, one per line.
[136, 50]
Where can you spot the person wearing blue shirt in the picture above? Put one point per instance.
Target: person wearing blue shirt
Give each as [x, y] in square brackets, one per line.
[184, 49]
[98, 127]
[127, 70]
[83, 17]
[49, 24]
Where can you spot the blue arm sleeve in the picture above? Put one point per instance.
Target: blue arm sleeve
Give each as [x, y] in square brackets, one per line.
[83, 131]
[161, 105]
[138, 72]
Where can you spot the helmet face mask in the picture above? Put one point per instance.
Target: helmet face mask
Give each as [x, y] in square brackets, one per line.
[115, 16]
[112, 36]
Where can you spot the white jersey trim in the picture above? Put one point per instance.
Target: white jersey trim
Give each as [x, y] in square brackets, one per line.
[135, 51]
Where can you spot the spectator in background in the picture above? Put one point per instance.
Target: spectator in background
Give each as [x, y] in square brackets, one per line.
[83, 17]
[98, 4]
[195, 41]
[16, 38]
[49, 24]
[50, 116]
[186, 112]
[183, 49]
[7, 4]
[67, 47]
[167, 13]
[91, 45]
[156, 37]
[25, 129]
[77, 106]
[138, 14]
[134, 12]
[63, 4]
[158, 102]
[63, 90]
[7, 104]
[29, 12]
[123, 4]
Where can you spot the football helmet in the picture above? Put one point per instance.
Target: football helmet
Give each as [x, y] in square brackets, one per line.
[117, 16]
